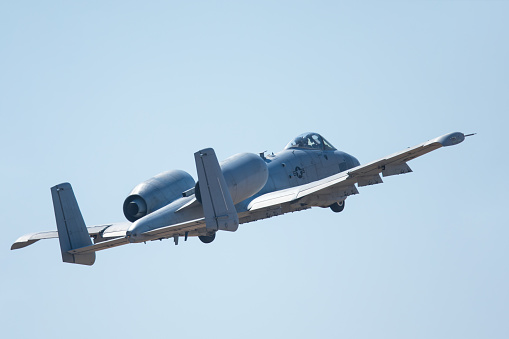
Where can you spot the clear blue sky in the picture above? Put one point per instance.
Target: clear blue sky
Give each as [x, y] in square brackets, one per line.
[105, 95]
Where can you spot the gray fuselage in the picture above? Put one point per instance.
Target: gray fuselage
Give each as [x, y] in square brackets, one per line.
[288, 168]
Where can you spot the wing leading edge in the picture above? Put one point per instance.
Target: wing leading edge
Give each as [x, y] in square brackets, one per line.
[341, 185]
[332, 188]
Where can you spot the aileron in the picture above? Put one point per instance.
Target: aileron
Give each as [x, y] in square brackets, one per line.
[308, 172]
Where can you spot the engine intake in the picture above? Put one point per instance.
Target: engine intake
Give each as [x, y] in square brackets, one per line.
[156, 192]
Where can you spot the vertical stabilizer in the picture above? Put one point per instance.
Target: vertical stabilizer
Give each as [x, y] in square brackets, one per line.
[72, 231]
[218, 208]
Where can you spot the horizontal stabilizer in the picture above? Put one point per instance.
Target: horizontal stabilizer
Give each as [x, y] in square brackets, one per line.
[90, 250]
[29, 239]
[98, 232]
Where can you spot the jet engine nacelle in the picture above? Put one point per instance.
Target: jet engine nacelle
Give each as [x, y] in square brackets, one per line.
[156, 192]
[245, 174]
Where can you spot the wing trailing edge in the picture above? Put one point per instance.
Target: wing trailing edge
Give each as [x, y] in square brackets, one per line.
[343, 184]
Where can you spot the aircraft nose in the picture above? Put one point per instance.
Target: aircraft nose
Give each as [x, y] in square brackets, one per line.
[135, 232]
[133, 236]
[129, 235]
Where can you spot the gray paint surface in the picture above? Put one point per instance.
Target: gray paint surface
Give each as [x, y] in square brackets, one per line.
[308, 173]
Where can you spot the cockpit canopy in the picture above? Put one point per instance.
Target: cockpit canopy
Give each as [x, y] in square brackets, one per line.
[310, 141]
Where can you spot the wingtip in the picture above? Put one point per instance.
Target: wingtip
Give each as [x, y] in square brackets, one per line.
[449, 139]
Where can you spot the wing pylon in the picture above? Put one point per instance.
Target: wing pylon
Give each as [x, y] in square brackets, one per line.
[343, 184]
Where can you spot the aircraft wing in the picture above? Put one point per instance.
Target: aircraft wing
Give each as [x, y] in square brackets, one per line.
[341, 185]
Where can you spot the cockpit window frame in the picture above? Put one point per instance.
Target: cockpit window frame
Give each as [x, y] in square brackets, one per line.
[310, 141]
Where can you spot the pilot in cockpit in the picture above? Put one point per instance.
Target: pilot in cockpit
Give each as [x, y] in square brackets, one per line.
[310, 141]
[301, 142]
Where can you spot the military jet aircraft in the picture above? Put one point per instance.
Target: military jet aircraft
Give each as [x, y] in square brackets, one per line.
[308, 172]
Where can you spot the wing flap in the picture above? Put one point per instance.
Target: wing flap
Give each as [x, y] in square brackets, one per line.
[369, 180]
[342, 184]
[400, 158]
[389, 170]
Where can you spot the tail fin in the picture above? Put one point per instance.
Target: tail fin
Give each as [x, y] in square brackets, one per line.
[72, 231]
[218, 208]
